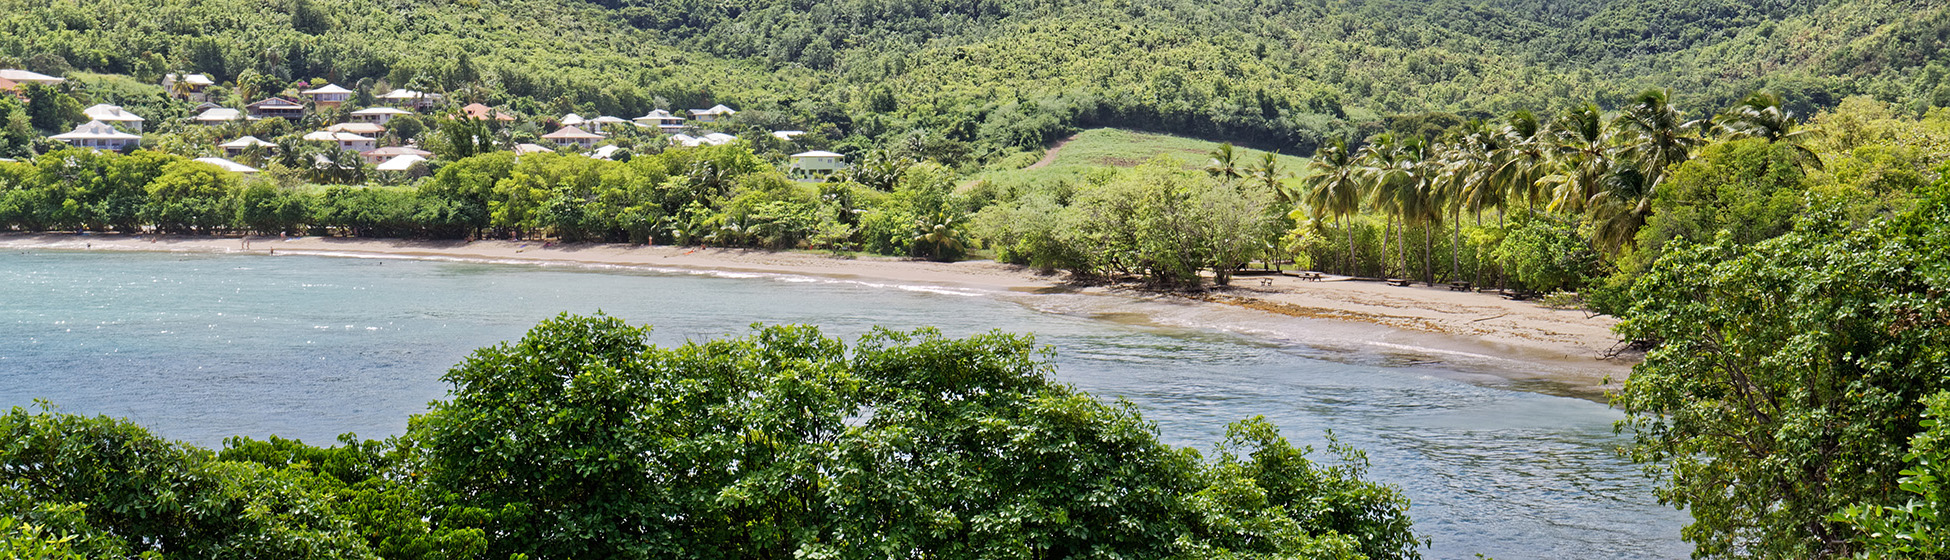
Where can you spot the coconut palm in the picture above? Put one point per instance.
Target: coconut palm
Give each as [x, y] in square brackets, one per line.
[1522, 160]
[1270, 175]
[1654, 137]
[1578, 162]
[1762, 116]
[1334, 189]
[1384, 177]
[1224, 164]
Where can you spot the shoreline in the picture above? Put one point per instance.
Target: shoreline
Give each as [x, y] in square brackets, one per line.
[1565, 347]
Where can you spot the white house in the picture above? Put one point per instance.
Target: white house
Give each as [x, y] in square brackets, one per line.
[390, 153]
[604, 152]
[276, 107]
[377, 115]
[661, 120]
[403, 97]
[815, 165]
[98, 135]
[573, 119]
[345, 140]
[525, 149]
[228, 165]
[714, 114]
[363, 128]
[218, 115]
[400, 163]
[787, 135]
[329, 96]
[596, 124]
[237, 147]
[25, 77]
[114, 115]
[573, 135]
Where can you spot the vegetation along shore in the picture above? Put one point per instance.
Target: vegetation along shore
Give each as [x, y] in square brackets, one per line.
[1752, 199]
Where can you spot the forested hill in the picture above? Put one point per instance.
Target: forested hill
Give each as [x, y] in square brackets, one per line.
[965, 79]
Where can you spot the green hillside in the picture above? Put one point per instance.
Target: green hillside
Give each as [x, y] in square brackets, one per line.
[964, 80]
[1092, 150]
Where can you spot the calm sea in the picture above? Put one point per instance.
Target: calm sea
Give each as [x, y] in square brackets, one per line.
[198, 347]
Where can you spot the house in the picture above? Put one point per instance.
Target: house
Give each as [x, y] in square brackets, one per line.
[236, 147]
[228, 165]
[193, 85]
[401, 163]
[815, 165]
[364, 128]
[525, 149]
[661, 120]
[573, 135]
[377, 115]
[25, 77]
[345, 140]
[329, 96]
[481, 112]
[115, 116]
[712, 139]
[604, 152]
[573, 119]
[218, 115]
[403, 97]
[98, 135]
[276, 107]
[394, 152]
[596, 124]
[714, 114]
[787, 135]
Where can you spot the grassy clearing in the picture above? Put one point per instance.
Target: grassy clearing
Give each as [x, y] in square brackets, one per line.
[1097, 150]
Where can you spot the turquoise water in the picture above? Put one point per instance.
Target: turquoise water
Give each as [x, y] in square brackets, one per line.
[198, 347]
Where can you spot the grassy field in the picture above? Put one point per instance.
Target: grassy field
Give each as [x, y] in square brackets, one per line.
[1101, 148]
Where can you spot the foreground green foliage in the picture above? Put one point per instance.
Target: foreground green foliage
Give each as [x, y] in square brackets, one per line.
[583, 441]
[1790, 375]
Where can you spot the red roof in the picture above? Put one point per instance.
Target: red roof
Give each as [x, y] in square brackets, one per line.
[482, 112]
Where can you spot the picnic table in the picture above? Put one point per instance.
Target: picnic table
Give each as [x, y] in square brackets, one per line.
[1461, 286]
[1309, 276]
[1399, 281]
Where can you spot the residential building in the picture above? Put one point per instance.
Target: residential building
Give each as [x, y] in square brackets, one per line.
[25, 77]
[364, 128]
[114, 115]
[228, 165]
[481, 112]
[410, 99]
[329, 96]
[401, 163]
[815, 165]
[661, 120]
[193, 85]
[98, 135]
[787, 135]
[377, 115]
[596, 124]
[236, 147]
[714, 114]
[344, 140]
[392, 152]
[525, 149]
[218, 115]
[276, 107]
[573, 135]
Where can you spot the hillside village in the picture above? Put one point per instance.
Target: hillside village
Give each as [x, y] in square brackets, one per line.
[383, 134]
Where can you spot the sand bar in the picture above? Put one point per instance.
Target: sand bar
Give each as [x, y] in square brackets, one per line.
[1565, 346]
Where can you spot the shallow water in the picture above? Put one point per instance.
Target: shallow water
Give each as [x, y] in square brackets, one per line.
[198, 347]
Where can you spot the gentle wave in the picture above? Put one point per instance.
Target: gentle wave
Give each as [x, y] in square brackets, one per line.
[741, 275]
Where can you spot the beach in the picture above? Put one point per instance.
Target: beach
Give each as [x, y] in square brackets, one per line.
[1568, 346]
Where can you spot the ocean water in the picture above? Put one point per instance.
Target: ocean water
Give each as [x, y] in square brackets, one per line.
[200, 346]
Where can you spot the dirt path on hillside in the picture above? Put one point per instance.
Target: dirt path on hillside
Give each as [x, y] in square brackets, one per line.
[1050, 155]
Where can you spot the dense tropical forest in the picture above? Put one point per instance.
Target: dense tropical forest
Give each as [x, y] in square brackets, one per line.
[1756, 190]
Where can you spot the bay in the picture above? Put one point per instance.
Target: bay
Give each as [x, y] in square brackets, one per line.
[198, 347]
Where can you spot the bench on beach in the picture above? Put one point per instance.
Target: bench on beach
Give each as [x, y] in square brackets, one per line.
[1399, 281]
[1519, 295]
[1309, 276]
[1461, 286]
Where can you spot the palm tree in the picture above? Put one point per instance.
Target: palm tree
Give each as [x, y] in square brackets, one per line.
[1224, 163]
[1270, 175]
[1578, 162]
[1335, 189]
[1521, 162]
[1762, 116]
[1656, 136]
[1383, 180]
[1653, 137]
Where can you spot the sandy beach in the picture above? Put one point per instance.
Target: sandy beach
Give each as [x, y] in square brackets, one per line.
[1567, 344]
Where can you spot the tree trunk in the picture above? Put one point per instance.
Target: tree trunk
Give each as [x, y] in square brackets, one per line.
[1387, 229]
[1349, 227]
[1455, 250]
[1428, 261]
